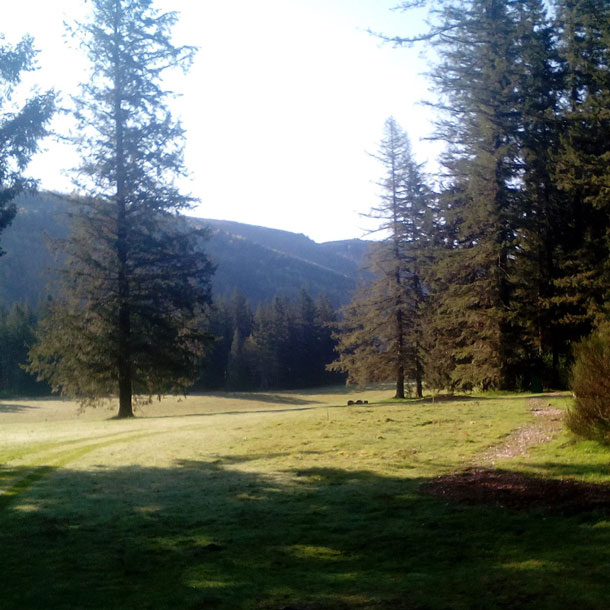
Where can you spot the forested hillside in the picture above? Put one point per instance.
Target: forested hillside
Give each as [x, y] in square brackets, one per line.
[260, 263]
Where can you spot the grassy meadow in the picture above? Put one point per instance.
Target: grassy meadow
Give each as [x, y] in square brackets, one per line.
[290, 501]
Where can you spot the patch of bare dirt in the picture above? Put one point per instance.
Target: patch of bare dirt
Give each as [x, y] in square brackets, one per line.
[547, 425]
[516, 491]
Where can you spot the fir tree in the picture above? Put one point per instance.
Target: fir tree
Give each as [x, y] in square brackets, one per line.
[541, 222]
[477, 81]
[582, 168]
[380, 336]
[17, 334]
[136, 282]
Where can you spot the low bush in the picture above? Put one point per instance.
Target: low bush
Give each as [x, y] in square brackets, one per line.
[590, 415]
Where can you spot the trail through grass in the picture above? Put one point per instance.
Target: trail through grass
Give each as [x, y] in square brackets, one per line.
[286, 500]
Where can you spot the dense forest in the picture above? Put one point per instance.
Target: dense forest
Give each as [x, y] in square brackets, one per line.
[282, 344]
[494, 275]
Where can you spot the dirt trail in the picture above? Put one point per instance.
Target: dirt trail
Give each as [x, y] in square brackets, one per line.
[547, 424]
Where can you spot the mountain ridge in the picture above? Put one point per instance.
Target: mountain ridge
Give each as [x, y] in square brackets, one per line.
[258, 261]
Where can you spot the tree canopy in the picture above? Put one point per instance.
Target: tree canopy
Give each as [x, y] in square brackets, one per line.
[21, 125]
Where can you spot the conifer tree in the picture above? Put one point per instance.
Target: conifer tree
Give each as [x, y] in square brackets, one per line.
[270, 344]
[540, 225]
[477, 81]
[21, 126]
[380, 335]
[582, 165]
[239, 375]
[325, 322]
[136, 284]
[17, 334]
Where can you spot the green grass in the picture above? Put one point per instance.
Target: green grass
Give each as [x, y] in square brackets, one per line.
[270, 501]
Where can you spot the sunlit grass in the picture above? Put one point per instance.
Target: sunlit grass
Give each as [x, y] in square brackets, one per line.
[278, 500]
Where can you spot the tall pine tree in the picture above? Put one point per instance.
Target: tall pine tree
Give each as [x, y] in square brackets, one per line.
[582, 289]
[136, 283]
[477, 82]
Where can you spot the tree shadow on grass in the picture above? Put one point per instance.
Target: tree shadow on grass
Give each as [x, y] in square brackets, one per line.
[280, 398]
[247, 411]
[217, 535]
[8, 407]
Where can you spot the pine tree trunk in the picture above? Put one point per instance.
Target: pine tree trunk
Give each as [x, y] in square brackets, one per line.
[400, 382]
[124, 314]
[125, 391]
[555, 373]
[400, 370]
[124, 328]
[419, 388]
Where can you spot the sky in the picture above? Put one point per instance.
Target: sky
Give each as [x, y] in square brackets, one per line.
[283, 106]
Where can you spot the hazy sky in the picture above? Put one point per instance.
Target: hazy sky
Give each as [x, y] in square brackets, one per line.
[283, 103]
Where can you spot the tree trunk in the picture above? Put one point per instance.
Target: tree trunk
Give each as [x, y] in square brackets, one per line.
[419, 388]
[125, 403]
[124, 313]
[124, 360]
[400, 369]
[400, 382]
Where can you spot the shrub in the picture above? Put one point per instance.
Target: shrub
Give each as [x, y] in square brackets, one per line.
[590, 415]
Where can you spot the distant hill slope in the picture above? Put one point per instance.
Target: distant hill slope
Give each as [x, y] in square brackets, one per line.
[258, 261]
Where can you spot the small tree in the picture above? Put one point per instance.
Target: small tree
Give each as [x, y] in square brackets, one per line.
[380, 335]
[20, 127]
[590, 415]
[136, 283]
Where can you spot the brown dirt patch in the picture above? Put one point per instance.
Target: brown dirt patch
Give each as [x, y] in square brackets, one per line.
[516, 491]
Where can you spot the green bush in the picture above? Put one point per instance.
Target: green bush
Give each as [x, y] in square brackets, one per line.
[590, 415]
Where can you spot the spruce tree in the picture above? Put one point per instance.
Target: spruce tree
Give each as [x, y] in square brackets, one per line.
[380, 334]
[136, 284]
[582, 168]
[540, 220]
[477, 82]
[325, 321]
[21, 125]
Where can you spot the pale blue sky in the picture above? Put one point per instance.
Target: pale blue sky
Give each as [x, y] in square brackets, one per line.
[281, 106]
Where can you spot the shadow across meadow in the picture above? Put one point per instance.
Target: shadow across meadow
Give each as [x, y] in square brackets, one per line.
[221, 535]
[9, 407]
[280, 399]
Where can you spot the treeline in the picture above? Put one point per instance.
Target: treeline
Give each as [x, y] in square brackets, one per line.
[490, 274]
[17, 334]
[284, 343]
[281, 344]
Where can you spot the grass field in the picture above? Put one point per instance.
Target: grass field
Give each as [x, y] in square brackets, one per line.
[292, 501]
